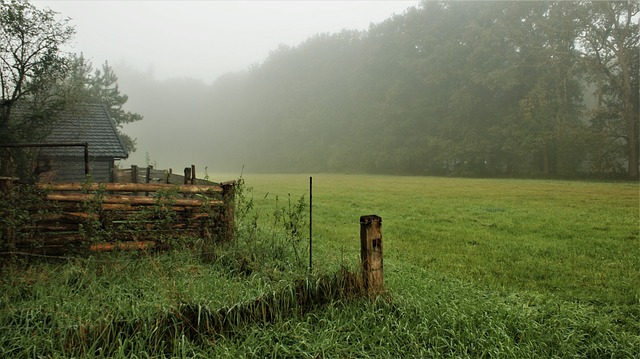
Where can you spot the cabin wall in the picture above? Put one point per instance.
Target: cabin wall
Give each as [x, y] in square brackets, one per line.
[71, 169]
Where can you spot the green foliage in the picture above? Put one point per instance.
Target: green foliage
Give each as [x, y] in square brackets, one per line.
[263, 239]
[545, 269]
[497, 89]
[38, 81]
[92, 229]
[32, 79]
[293, 220]
[18, 206]
[102, 87]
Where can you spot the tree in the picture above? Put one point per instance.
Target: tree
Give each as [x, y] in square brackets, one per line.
[101, 86]
[32, 70]
[609, 40]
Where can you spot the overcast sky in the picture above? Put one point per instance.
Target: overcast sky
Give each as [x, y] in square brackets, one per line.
[204, 39]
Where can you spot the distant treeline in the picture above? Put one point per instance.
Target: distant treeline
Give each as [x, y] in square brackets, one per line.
[448, 88]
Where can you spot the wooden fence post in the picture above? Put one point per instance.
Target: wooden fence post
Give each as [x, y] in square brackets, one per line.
[134, 176]
[227, 227]
[187, 175]
[148, 177]
[371, 253]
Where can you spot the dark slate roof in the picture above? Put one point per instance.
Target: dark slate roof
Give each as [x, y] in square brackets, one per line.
[89, 123]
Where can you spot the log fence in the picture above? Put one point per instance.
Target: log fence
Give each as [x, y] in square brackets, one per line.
[105, 216]
[149, 174]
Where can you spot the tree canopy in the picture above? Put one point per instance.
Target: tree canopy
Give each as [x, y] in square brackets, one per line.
[466, 88]
[41, 80]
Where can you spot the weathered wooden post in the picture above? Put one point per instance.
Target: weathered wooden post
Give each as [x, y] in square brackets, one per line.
[134, 176]
[371, 253]
[147, 178]
[187, 175]
[227, 227]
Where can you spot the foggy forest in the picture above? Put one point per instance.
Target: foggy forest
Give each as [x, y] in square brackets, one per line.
[463, 88]
[488, 89]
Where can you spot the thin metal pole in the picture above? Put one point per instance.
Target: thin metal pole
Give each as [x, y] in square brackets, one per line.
[310, 222]
[86, 158]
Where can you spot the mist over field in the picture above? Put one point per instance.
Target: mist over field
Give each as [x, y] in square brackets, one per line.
[471, 89]
[497, 89]
[385, 106]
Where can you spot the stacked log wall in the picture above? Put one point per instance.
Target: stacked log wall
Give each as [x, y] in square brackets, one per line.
[104, 216]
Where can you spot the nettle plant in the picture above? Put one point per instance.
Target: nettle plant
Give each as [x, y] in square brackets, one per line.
[92, 229]
[20, 206]
[292, 219]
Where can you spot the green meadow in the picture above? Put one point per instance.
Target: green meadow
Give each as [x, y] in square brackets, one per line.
[473, 268]
[576, 240]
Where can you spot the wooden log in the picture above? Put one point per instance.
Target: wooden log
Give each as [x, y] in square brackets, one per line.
[131, 187]
[57, 238]
[107, 247]
[371, 253]
[53, 227]
[73, 217]
[130, 200]
[228, 213]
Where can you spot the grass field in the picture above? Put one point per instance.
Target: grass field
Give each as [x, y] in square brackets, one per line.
[473, 268]
[578, 240]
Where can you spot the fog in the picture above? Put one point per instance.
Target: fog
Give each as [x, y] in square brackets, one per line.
[467, 88]
[184, 46]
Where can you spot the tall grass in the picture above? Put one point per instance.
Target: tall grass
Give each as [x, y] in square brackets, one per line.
[473, 268]
[576, 240]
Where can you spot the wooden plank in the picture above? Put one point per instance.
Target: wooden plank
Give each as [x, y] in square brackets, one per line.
[106, 247]
[130, 187]
[131, 200]
[130, 208]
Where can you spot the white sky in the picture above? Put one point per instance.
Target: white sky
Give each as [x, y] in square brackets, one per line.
[205, 39]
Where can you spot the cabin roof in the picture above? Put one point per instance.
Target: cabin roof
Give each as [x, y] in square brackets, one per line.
[90, 123]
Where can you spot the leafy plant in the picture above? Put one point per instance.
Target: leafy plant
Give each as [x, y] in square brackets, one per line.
[292, 218]
[92, 229]
[19, 207]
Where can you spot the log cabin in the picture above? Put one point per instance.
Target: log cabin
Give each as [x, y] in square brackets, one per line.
[85, 123]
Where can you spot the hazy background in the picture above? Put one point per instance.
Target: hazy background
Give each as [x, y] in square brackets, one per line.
[192, 43]
[465, 88]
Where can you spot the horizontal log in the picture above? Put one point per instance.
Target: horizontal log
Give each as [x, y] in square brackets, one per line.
[77, 207]
[131, 187]
[106, 247]
[76, 239]
[130, 208]
[53, 238]
[131, 200]
[48, 250]
[57, 227]
[69, 217]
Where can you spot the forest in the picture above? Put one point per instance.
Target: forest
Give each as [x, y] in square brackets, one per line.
[481, 89]
[465, 88]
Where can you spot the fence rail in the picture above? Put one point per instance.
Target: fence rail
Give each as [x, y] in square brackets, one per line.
[104, 216]
[148, 174]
